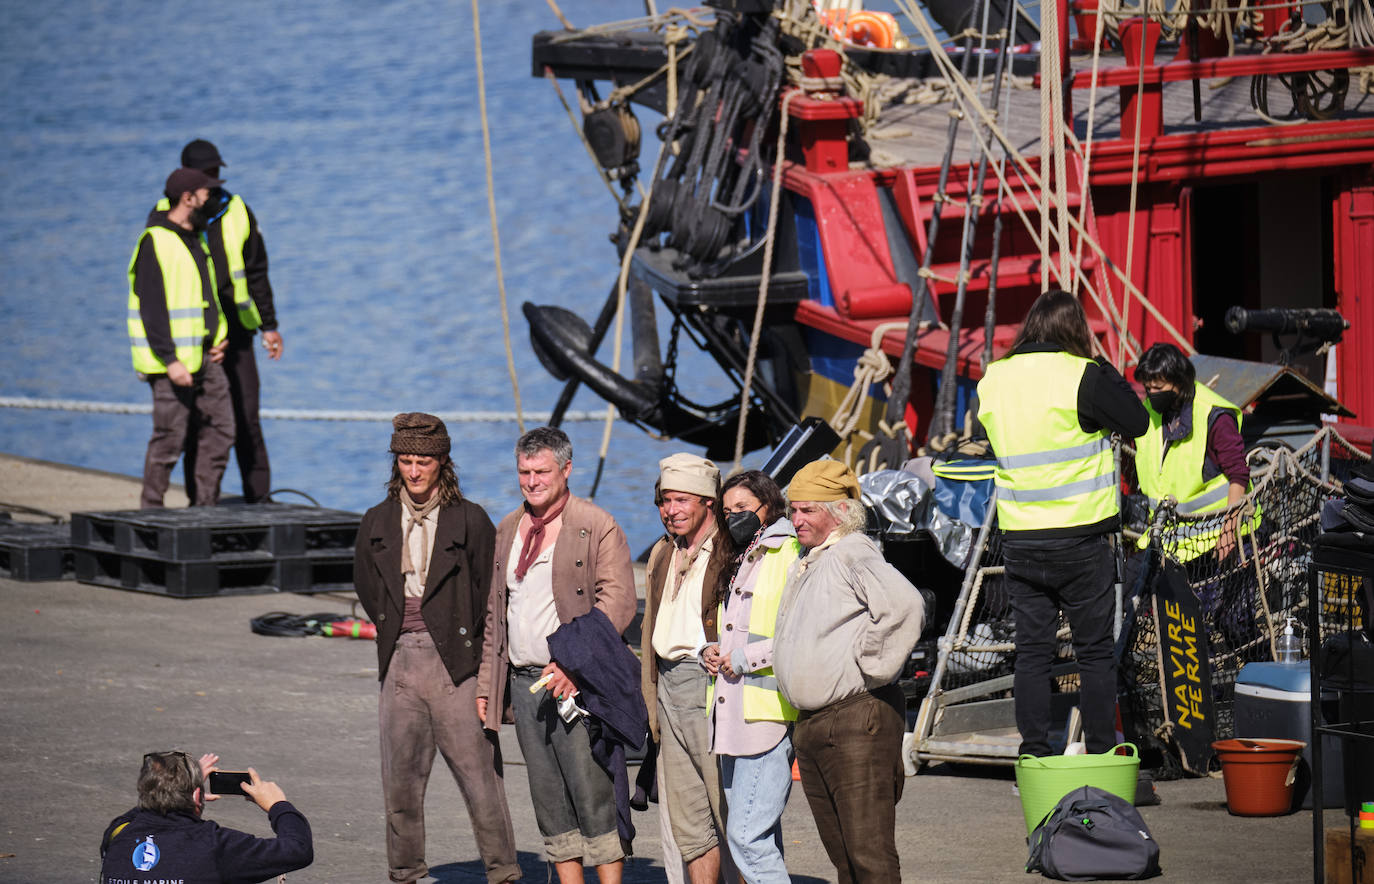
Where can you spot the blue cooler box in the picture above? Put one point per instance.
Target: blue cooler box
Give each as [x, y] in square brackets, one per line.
[1274, 700]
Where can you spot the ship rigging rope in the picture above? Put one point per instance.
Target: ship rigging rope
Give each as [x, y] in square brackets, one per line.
[1135, 173]
[970, 103]
[491, 210]
[582, 136]
[1126, 343]
[1087, 155]
[672, 15]
[1174, 20]
[567, 25]
[1028, 182]
[621, 285]
[775, 194]
[1052, 149]
[873, 367]
[81, 406]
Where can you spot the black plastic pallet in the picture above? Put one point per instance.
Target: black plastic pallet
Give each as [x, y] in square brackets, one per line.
[34, 552]
[218, 532]
[249, 574]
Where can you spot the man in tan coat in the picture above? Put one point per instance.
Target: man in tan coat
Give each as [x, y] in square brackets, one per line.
[557, 557]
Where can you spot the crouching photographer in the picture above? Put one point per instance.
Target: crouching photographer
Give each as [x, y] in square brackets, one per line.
[165, 839]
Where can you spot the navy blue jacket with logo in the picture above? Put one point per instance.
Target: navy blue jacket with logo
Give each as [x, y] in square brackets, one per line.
[143, 847]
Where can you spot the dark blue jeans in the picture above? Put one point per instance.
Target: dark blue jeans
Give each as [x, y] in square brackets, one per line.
[1074, 574]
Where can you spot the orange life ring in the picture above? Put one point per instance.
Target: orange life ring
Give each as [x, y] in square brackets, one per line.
[876, 29]
[834, 20]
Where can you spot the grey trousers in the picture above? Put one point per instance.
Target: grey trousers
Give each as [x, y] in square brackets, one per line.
[422, 710]
[573, 796]
[199, 417]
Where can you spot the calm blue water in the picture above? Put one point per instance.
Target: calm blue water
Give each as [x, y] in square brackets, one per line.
[352, 130]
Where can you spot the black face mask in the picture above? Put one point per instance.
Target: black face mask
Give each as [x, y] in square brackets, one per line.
[208, 210]
[743, 526]
[1163, 401]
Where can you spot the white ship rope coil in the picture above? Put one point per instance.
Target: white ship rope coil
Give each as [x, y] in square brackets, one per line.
[81, 406]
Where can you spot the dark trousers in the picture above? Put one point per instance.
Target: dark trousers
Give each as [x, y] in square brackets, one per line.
[250, 450]
[849, 755]
[197, 419]
[1074, 574]
[421, 711]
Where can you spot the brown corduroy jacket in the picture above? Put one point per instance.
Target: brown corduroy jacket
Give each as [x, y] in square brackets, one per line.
[655, 579]
[591, 568]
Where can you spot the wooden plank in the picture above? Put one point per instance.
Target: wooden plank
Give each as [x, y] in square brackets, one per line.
[1347, 863]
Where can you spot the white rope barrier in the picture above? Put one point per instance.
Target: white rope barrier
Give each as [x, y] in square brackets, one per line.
[296, 414]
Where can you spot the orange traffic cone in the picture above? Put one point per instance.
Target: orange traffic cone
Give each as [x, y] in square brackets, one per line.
[796, 772]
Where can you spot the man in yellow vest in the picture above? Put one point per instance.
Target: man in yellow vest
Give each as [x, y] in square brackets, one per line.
[245, 294]
[1193, 452]
[178, 337]
[1048, 408]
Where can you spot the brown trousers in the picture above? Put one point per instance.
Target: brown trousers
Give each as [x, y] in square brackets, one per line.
[422, 710]
[241, 368]
[849, 755]
[199, 418]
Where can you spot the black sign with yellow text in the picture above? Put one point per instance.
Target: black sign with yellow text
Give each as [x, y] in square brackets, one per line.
[1185, 673]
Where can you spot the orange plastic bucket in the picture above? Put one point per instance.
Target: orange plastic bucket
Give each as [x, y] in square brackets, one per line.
[1259, 774]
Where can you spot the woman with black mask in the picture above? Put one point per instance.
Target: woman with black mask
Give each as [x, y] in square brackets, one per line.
[1193, 451]
[750, 720]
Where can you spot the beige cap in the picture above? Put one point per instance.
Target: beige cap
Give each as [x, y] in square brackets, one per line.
[690, 474]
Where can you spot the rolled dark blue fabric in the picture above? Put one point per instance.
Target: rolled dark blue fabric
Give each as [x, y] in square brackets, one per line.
[606, 673]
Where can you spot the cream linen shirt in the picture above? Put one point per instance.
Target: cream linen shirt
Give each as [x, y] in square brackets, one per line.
[531, 616]
[678, 634]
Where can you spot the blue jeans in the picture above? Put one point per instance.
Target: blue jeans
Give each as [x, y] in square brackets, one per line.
[756, 790]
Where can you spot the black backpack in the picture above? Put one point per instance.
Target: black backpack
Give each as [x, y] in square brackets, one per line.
[1093, 834]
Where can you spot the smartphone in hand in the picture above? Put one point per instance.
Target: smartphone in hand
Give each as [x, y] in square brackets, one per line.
[228, 782]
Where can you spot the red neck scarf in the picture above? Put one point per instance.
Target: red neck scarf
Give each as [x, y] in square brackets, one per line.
[534, 539]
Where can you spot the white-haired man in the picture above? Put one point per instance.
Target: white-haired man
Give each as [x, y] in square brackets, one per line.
[846, 624]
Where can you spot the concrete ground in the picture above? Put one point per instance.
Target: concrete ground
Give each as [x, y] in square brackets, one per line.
[91, 678]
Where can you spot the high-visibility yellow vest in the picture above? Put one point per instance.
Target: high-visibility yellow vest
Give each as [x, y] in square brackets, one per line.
[186, 303]
[1050, 474]
[231, 226]
[1178, 472]
[762, 699]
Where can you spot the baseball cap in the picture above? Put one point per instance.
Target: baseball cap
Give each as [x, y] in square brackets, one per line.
[201, 154]
[184, 179]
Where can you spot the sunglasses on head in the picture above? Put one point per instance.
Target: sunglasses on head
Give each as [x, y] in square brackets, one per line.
[177, 753]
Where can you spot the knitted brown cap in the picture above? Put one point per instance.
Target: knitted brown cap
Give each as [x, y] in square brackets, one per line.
[419, 433]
